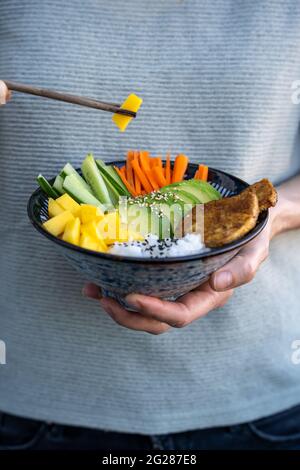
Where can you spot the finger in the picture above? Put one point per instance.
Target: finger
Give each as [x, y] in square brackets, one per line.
[178, 314]
[5, 93]
[242, 268]
[92, 291]
[132, 320]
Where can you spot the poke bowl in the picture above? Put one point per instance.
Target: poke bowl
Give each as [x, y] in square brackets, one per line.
[163, 277]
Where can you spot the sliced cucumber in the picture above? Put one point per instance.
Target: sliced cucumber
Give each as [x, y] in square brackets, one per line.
[58, 184]
[78, 192]
[46, 187]
[68, 169]
[94, 178]
[112, 191]
[113, 177]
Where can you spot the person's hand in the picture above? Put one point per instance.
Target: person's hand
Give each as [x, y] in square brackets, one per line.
[158, 316]
[5, 93]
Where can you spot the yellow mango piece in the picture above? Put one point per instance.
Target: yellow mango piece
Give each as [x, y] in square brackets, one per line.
[88, 213]
[57, 224]
[102, 246]
[68, 203]
[72, 231]
[90, 243]
[132, 103]
[108, 227]
[91, 230]
[54, 208]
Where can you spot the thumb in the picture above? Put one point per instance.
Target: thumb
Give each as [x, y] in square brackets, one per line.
[242, 268]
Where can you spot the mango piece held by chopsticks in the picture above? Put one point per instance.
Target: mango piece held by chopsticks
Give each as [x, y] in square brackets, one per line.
[132, 103]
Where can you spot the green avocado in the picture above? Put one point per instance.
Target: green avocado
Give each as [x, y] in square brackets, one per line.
[200, 191]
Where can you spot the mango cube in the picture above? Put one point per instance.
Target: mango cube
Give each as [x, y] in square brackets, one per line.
[54, 208]
[72, 232]
[109, 226]
[90, 243]
[69, 204]
[88, 213]
[91, 230]
[132, 103]
[57, 224]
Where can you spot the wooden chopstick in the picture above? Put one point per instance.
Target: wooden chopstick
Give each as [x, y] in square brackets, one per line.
[80, 100]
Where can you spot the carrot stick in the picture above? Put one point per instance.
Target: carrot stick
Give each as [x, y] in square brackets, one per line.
[152, 162]
[137, 182]
[157, 162]
[168, 169]
[180, 166]
[144, 160]
[203, 172]
[129, 172]
[128, 185]
[151, 179]
[159, 176]
[143, 179]
[123, 170]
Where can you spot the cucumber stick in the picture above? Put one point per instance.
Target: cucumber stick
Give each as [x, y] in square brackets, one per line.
[112, 191]
[68, 169]
[58, 184]
[113, 177]
[46, 187]
[78, 192]
[94, 178]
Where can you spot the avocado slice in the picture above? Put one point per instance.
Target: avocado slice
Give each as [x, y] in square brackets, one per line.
[206, 187]
[201, 191]
[145, 220]
[138, 218]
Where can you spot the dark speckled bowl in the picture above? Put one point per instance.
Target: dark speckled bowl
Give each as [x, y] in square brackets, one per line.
[167, 278]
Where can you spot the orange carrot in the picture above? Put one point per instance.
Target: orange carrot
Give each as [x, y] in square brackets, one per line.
[129, 172]
[137, 182]
[143, 179]
[180, 166]
[123, 170]
[168, 169]
[159, 176]
[144, 160]
[152, 162]
[157, 161]
[151, 179]
[203, 172]
[128, 185]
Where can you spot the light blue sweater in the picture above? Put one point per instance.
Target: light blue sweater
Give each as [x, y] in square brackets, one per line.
[216, 81]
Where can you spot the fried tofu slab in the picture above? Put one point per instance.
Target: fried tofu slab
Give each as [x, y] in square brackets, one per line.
[265, 192]
[229, 219]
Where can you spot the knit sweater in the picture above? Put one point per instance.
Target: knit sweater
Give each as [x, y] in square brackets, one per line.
[216, 80]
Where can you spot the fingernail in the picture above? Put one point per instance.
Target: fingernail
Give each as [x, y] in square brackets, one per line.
[131, 301]
[223, 280]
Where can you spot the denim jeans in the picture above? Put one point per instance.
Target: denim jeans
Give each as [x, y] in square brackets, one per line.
[280, 431]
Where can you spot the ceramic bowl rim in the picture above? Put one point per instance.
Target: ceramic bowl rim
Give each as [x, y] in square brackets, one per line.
[264, 216]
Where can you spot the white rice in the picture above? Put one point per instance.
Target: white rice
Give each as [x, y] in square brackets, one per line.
[152, 247]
